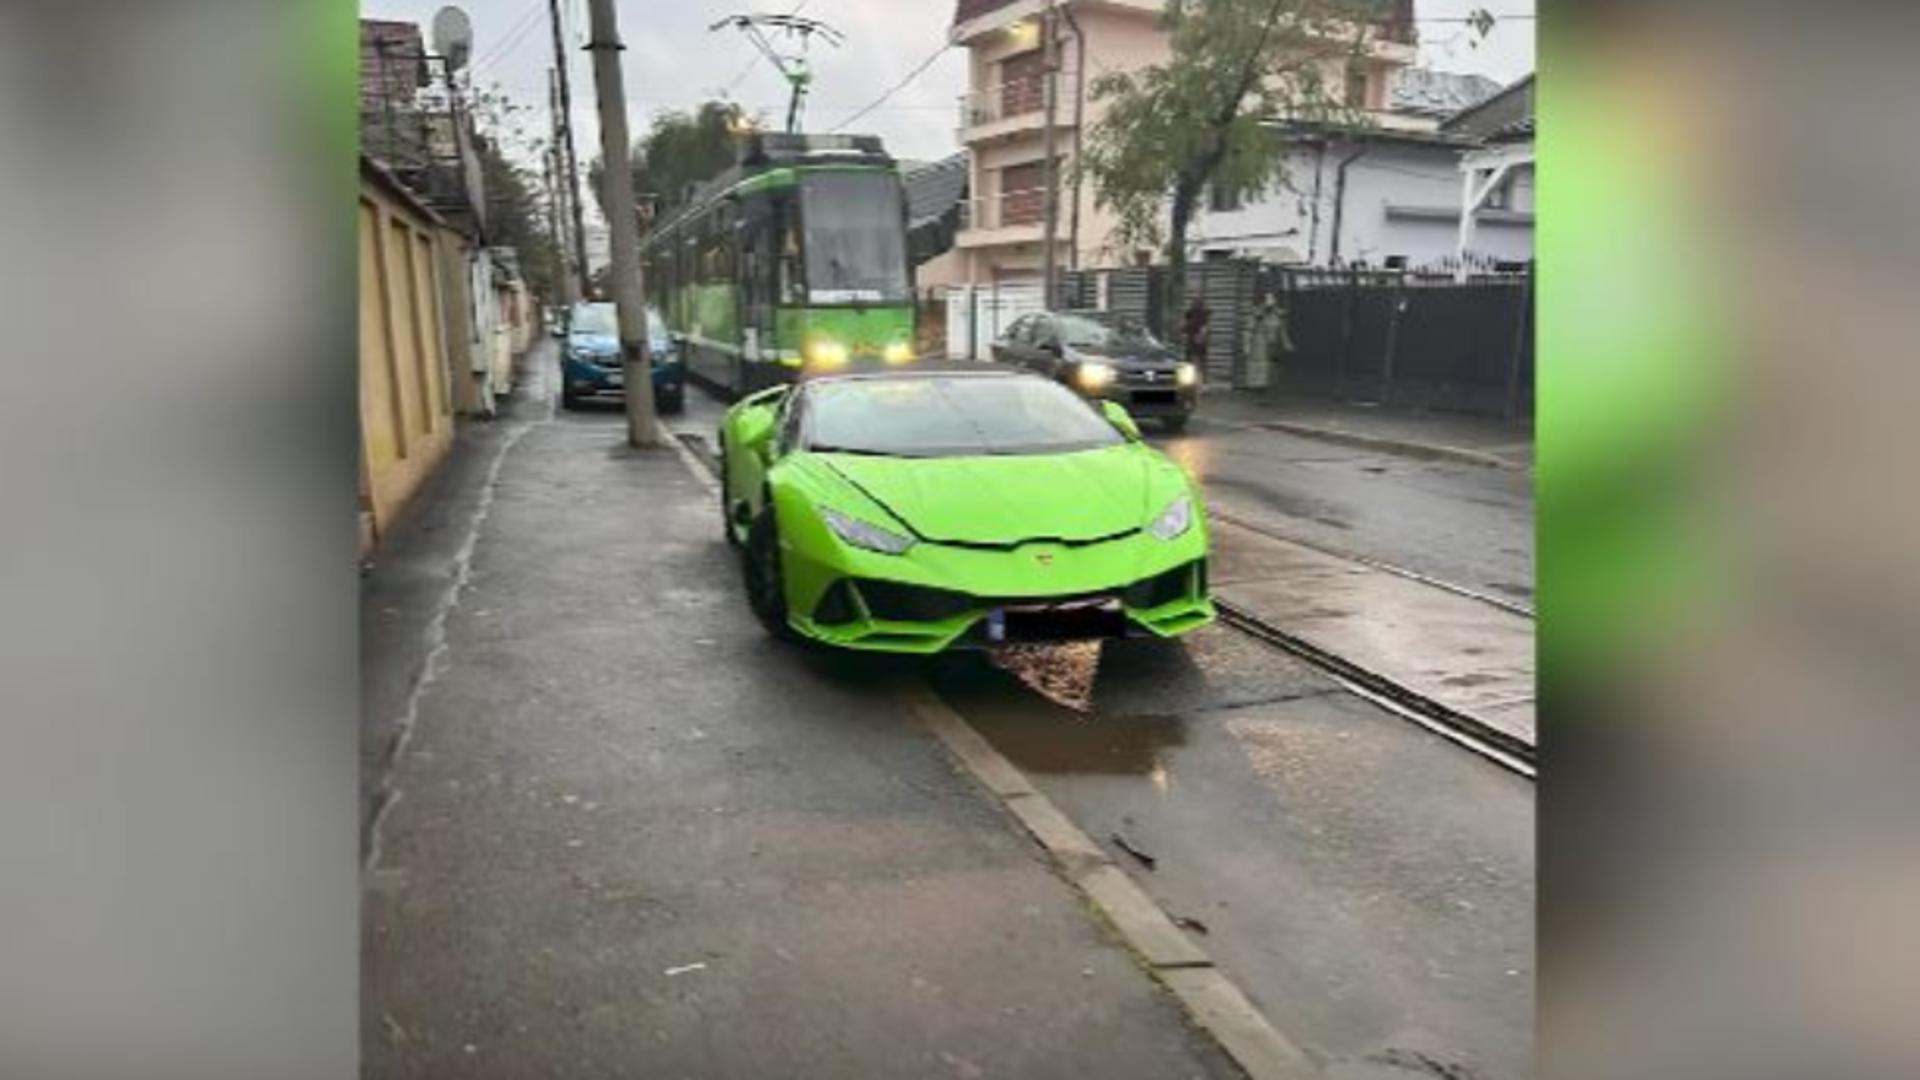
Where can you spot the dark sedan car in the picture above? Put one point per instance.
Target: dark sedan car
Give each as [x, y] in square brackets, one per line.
[1122, 363]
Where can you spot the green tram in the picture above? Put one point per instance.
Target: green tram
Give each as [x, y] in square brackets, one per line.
[797, 256]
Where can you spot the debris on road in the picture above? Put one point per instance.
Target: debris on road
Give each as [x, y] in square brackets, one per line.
[1125, 845]
[697, 965]
[1185, 922]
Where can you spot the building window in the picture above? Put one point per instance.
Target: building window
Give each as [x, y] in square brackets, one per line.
[1356, 86]
[1023, 83]
[1022, 194]
[1222, 200]
[1501, 197]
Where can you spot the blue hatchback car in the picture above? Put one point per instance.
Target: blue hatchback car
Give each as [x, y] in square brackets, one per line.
[590, 359]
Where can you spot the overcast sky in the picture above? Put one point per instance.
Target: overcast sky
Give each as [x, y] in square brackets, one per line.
[674, 62]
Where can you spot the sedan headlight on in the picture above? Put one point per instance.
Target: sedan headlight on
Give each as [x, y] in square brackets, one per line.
[1175, 520]
[864, 536]
[898, 353]
[1093, 376]
[1186, 375]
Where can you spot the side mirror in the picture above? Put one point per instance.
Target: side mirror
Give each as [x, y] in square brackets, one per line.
[755, 428]
[1118, 416]
[1050, 347]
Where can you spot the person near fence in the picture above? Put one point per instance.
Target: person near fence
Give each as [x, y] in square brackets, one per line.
[1195, 327]
[1268, 342]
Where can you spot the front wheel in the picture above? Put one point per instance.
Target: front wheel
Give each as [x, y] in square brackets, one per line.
[766, 585]
[1176, 424]
[726, 497]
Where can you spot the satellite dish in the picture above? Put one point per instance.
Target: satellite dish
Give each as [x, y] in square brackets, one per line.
[453, 36]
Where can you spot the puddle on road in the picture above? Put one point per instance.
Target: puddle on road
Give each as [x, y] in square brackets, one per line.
[1038, 709]
[1130, 746]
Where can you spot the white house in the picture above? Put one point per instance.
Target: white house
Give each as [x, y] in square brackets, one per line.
[1383, 197]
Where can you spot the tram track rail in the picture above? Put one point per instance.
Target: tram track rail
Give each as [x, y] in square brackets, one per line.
[1469, 732]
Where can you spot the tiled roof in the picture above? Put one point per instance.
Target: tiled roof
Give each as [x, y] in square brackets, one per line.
[1421, 92]
[934, 188]
[1506, 115]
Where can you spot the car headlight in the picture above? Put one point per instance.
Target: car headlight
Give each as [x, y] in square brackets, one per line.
[826, 352]
[1093, 376]
[1175, 520]
[865, 536]
[898, 353]
[1186, 375]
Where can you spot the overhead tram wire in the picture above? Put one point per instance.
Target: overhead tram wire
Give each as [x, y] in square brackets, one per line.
[511, 39]
[896, 88]
[727, 91]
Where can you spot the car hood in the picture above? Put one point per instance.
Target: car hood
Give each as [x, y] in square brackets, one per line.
[1072, 497]
[594, 344]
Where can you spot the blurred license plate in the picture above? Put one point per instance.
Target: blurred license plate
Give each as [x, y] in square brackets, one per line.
[1026, 618]
[616, 379]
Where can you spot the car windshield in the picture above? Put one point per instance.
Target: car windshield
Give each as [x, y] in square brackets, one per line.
[952, 416]
[1082, 331]
[657, 337]
[596, 319]
[855, 237]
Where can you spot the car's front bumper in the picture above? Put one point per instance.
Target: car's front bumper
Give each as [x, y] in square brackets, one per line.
[1149, 399]
[938, 597]
[591, 380]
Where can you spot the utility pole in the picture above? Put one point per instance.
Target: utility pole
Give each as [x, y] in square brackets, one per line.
[572, 162]
[624, 219]
[556, 231]
[1050, 170]
[555, 159]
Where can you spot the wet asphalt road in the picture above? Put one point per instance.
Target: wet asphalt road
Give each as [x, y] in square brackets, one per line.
[633, 837]
[1465, 524]
[1367, 884]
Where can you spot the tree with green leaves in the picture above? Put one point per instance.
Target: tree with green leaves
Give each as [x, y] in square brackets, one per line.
[516, 211]
[682, 150]
[1204, 118]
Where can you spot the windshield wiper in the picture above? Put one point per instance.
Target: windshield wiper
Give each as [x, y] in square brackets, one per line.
[856, 451]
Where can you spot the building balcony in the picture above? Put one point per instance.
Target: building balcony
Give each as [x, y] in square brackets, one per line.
[1010, 109]
[973, 18]
[1017, 217]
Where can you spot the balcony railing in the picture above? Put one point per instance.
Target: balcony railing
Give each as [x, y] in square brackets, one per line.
[1026, 96]
[1025, 207]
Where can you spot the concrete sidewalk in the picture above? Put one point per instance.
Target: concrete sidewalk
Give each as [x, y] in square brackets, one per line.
[1438, 436]
[631, 836]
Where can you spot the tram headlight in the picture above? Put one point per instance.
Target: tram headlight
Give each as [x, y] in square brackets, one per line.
[826, 352]
[898, 353]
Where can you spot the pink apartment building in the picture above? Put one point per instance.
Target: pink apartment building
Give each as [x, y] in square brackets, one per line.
[1003, 126]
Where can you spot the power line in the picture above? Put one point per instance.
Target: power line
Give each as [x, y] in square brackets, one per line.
[755, 61]
[511, 38]
[895, 88]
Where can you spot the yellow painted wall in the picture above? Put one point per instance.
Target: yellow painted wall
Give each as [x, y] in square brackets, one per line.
[406, 424]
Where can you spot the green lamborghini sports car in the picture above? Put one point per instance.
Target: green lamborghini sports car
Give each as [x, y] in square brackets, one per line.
[920, 508]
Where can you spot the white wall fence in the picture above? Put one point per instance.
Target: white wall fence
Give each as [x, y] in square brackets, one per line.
[977, 314]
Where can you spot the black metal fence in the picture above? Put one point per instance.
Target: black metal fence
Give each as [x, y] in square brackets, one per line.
[1394, 337]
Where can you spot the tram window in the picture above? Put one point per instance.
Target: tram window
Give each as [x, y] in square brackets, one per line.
[856, 246]
[791, 282]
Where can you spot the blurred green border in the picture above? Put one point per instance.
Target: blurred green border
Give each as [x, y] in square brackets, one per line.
[1632, 370]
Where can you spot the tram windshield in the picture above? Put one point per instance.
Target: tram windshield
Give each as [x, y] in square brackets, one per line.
[855, 238]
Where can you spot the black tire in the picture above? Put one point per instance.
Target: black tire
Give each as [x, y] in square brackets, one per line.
[766, 585]
[726, 496]
[672, 404]
[1174, 425]
[569, 400]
